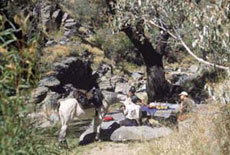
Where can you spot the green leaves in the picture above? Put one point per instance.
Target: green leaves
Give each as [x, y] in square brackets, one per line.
[18, 75]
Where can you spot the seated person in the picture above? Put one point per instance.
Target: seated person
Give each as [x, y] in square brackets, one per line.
[132, 92]
[186, 105]
[132, 113]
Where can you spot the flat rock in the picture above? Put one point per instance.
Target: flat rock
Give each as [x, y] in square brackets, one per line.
[64, 17]
[70, 24]
[50, 43]
[49, 81]
[122, 87]
[139, 133]
[56, 14]
[105, 84]
[39, 94]
[137, 75]
[70, 20]
[50, 102]
[107, 128]
[89, 136]
[193, 68]
[117, 116]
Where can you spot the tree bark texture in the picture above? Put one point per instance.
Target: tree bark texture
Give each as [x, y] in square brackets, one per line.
[157, 86]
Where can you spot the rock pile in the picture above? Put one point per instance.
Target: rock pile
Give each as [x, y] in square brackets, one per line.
[67, 75]
[52, 18]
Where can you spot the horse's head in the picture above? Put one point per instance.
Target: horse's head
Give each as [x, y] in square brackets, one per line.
[81, 97]
[96, 97]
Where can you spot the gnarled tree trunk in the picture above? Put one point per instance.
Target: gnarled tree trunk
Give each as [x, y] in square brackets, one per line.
[157, 86]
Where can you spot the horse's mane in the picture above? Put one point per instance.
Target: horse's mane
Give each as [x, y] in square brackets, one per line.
[87, 98]
[79, 92]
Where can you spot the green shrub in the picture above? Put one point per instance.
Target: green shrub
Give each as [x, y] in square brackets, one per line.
[18, 75]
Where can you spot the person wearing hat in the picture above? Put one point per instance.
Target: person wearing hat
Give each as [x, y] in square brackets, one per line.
[131, 109]
[132, 112]
[186, 104]
[133, 96]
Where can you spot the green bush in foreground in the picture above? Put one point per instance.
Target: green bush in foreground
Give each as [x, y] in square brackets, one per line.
[18, 74]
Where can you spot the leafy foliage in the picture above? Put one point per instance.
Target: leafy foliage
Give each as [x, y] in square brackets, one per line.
[18, 74]
[203, 25]
[87, 12]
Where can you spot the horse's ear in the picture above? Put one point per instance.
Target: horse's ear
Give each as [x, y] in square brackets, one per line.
[89, 94]
[75, 94]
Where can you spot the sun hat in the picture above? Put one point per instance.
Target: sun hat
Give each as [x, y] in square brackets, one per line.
[183, 93]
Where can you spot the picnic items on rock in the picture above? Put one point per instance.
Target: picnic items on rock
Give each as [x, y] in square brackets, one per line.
[158, 106]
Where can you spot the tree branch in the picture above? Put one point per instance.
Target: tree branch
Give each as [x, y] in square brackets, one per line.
[199, 59]
[178, 37]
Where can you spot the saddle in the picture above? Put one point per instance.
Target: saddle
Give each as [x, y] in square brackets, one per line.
[90, 99]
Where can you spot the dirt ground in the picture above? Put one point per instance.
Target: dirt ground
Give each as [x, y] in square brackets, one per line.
[115, 148]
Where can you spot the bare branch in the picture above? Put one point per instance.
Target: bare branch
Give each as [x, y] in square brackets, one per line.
[199, 59]
[178, 37]
[161, 27]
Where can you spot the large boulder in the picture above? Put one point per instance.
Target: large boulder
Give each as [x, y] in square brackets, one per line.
[49, 81]
[50, 14]
[87, 137]
[39, 94]
[50, 102]
[105, 84]
[139, 133]
[74, 71]
[137, 75]
[107, 128]
[67, 75]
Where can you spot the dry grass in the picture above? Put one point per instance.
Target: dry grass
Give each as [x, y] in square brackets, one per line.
[220, 91]
[195, 137]
[93, 50]
[130, 67]
[97, 53]
[52, 53]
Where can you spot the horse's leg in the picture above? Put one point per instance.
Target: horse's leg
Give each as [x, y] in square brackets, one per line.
[96, 127]
[66, 117]
[100, 114]
[62, 134]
